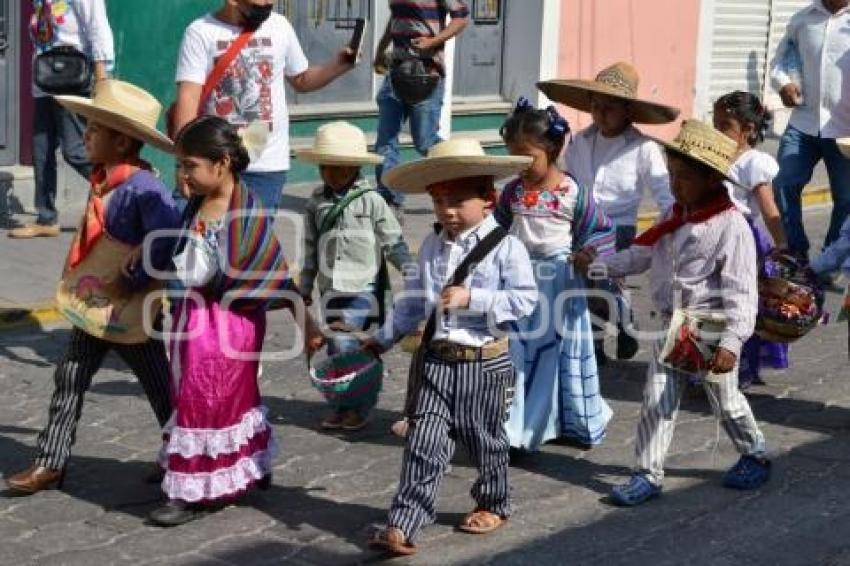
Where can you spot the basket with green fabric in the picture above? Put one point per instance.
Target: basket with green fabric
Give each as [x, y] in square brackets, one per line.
[349, 380]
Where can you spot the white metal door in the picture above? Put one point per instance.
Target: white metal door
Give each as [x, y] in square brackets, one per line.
[739, 46]
[323, 28]
[478, 52]
[780, 14]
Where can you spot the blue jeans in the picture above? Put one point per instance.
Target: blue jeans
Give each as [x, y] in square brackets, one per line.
[54, 126]
[798, 155]
[268, 186]
[352, 309]
[424, 129]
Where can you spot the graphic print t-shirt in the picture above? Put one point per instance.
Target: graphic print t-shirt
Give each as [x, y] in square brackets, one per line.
[252, 91]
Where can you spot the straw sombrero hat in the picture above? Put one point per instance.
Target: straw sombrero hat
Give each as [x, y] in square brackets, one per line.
[620, 80]
[452, 159]
[339, 143]
[700, 142]
[123, 107]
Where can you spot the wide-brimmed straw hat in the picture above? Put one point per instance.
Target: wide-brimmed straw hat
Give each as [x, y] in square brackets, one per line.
[123, 107]
[457, 158]
[620, 80]
[339, 143]
[700, 142]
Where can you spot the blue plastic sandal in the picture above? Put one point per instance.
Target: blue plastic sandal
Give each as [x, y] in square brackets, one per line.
[638, 490]
[748, 473]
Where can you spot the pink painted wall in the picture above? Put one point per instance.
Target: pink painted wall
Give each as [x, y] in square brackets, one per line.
[659, 37]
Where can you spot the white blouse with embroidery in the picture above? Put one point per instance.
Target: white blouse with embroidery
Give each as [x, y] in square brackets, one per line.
[543, 220]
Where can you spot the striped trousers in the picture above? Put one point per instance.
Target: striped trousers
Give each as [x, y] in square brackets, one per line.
[661, 398]
[72, 379]
[456, 401]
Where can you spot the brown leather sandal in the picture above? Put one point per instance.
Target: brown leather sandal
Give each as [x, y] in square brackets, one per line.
[392, 541]
[480, 522]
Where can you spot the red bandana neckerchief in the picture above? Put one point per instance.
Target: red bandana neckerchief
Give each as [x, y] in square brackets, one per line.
[680, 218]
[93, 224]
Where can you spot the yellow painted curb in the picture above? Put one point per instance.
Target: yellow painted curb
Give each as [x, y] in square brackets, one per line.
[14, 317]
[812, 196]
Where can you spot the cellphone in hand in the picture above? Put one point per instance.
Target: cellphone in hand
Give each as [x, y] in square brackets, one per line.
[356, 43]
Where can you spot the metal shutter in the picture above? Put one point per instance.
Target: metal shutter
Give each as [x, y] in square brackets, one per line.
[780, 14]
[739, 46]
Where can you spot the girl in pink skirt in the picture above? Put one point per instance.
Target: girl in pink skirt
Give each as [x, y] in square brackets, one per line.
[218, 443]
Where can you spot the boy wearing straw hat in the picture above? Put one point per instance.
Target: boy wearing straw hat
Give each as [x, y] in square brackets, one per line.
[350, 234]
[616, 160]
[472, 281]
[701, 257]
[127, 202]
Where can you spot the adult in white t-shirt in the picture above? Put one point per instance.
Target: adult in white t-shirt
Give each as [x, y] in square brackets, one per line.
[83, 25]
[252, 93]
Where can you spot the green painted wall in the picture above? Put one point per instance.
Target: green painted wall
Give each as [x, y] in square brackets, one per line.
[147, 38]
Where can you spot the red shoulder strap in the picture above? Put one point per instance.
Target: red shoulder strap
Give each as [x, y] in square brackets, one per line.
[223, 63]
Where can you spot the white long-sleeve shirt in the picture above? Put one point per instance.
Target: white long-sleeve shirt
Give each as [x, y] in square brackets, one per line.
[823, 42]
[618, 171]
[81, 24]
[501, 286]
[708, 266]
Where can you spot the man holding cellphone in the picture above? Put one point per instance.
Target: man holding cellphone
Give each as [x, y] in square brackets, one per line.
[251, 93]
[416, 28]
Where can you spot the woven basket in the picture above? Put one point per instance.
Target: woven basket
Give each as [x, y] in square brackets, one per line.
[349, 380]
[784, 331]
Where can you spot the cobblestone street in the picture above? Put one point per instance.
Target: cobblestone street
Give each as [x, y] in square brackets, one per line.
[329, 490]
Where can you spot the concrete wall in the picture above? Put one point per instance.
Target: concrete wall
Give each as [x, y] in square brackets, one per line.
[659, 37]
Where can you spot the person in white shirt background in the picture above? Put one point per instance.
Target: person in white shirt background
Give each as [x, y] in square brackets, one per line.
[83, 25]
[618, 162]
[812, 73]
[252, 93]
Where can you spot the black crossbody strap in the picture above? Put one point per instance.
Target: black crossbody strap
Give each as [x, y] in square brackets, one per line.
[479, 252]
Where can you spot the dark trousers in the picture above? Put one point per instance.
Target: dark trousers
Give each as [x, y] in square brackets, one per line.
[55, 127]
[456, 402]
[798, 155]
[73, 377]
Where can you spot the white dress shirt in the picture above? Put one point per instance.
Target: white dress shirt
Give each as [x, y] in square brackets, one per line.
[752, 169]
[823, 41]
[619, 170]
[502, 289]
[708, 266]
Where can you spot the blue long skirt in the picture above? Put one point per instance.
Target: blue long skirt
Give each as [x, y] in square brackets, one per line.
[557, 389]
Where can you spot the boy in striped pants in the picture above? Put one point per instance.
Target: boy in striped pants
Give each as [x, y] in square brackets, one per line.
[462, 386]
[700, 257]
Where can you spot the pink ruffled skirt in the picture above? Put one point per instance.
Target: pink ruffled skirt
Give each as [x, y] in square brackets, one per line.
[218, 442]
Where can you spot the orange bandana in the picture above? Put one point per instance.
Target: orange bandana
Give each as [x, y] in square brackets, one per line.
[93, 224]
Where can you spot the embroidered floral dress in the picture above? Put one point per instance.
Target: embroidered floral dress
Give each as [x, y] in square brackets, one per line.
[557, 391]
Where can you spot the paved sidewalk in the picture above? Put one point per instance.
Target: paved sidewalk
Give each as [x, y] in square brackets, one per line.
[330, 490]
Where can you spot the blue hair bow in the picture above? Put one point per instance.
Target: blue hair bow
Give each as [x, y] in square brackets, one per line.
[558, 125]
[523, 105]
